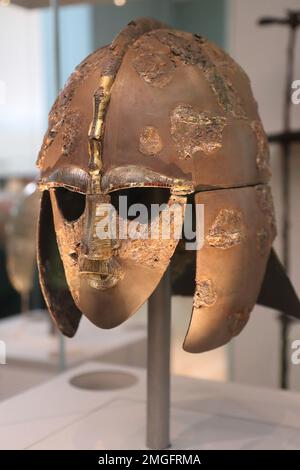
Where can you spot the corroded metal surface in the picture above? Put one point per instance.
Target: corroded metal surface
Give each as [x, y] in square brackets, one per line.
[194, 131]
[225, 92]
[69, 132]
[263, 240]
[265, 202]
[160, 53]
[61, 107]
[155, 252]
[227, 230]
[205, 293]
[152, 63]
[150, 141]
[263, 153]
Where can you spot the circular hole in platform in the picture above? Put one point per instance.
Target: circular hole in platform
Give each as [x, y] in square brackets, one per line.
[104, 380]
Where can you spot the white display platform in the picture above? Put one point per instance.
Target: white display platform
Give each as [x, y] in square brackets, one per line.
[28, 339]
[205, 415]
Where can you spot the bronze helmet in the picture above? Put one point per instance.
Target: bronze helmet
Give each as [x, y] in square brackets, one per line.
[165, 109]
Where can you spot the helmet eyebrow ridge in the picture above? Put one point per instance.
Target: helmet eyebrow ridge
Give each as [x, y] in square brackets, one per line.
[72, 178]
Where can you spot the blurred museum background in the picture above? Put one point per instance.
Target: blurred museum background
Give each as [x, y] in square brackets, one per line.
[27, 90]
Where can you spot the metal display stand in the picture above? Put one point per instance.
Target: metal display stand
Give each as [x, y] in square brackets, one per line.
[158, 365]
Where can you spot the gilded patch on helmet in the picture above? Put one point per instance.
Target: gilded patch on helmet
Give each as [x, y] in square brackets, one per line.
[152, 62]
[265, 202]
[150, 141]
[205, 294]
[228, 229]
[193, 131]
[155, 69]
[262, 241]
[263, 154]
[70, 129]
[237, 321]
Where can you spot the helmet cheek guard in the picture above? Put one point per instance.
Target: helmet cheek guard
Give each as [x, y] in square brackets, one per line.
[230, 265]
[55, 289]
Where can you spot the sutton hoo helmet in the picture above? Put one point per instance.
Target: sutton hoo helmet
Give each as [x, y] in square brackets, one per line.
[158, 111]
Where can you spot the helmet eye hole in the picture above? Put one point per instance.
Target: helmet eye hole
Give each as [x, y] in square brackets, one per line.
[70, 203]
[145, 196]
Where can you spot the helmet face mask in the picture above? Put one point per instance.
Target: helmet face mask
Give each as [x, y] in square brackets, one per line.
[157, 117]
[109, 265]
[99, 268]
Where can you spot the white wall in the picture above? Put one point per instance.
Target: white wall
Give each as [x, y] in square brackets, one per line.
[261, 51]
[22, 114]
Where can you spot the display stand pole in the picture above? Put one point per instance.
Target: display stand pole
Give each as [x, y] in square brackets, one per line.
[54, 4]
[25, 301]
[158, 365]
